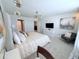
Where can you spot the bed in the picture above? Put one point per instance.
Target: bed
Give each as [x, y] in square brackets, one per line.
[29, 45]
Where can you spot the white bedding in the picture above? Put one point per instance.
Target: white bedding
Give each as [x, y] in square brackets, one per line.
[33, 40]
[39, 39]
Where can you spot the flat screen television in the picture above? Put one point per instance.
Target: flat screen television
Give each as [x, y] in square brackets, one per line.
[49, 25]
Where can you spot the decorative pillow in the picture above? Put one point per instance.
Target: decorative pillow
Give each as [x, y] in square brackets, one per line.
[22, 37]
[16, 38]
[25, 34]
[68, 35]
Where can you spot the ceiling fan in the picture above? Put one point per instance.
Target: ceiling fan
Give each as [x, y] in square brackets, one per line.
[36, 16]
[18, 3]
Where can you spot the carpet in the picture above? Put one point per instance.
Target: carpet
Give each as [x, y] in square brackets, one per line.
[58, 48]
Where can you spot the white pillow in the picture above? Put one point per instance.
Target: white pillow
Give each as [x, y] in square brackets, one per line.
[22, 37]
[68, 35]
[16, 38]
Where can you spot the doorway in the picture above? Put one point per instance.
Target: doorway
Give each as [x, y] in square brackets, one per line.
[35, 26]
[20, 25]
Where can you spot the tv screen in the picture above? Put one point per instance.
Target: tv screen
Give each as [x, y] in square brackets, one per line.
[49, 25]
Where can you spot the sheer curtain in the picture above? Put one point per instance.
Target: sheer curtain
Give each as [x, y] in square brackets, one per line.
[75, 52]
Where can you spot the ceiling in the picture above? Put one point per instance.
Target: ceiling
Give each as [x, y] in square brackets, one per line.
[44, 7]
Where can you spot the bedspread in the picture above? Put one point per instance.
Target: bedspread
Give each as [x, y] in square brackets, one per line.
[33, 41]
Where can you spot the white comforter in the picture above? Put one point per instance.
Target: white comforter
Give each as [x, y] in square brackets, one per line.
[33, 40]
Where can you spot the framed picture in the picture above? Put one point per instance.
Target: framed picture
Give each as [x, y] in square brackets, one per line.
[67, 23]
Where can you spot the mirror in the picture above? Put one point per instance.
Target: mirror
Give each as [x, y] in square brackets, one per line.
[2, 35]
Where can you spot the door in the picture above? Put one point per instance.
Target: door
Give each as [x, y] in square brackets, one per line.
[20, 25]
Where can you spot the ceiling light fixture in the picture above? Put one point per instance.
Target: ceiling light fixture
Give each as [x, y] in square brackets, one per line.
[18, 4]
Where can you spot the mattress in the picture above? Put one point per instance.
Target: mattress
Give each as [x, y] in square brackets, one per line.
[37, 38]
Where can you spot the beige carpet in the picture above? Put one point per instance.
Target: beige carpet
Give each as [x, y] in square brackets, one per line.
[58, 48]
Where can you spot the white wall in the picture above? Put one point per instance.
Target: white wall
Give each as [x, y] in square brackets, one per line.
[28, 22]
[56, 31]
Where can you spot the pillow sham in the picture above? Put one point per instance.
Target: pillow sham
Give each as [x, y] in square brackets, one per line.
[22, 37]
[16, 38]
[24, 33]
